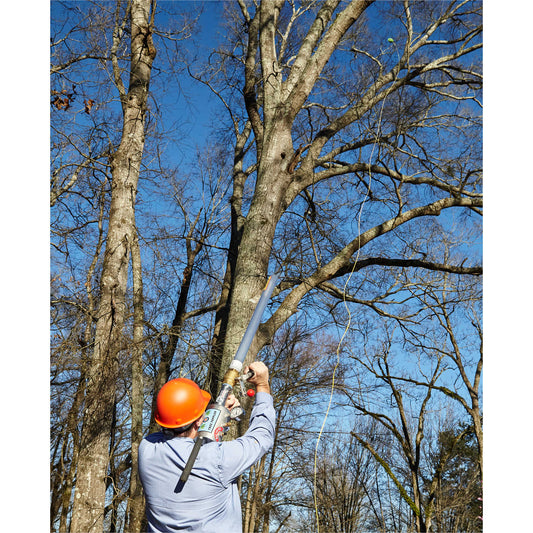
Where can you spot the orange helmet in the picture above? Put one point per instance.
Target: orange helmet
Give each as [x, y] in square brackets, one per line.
[180, 402]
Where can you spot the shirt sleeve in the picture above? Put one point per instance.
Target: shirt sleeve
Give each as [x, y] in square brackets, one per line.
[238, 455]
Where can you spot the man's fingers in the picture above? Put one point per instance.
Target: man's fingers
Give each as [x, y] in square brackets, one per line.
[231, 401]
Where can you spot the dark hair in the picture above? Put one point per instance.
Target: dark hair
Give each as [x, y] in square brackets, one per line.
[170, 433]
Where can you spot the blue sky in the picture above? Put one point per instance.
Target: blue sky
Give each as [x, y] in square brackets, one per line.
[195, 100]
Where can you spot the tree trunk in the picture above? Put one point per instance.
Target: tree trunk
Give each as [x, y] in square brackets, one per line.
[71, 426]
[112, 478]
[275, 154]
[164, 367]
[215, 372]
[89, 500]
[135, 499]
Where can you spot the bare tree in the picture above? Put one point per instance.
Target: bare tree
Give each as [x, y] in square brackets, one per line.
[341, 477]
[459, 321]
[73, 312]
[401, 402]
[373, 142]
[89, 500]
[348, 170]
[353, 142]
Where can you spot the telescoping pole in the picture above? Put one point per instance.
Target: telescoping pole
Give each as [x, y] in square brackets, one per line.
[217, 416]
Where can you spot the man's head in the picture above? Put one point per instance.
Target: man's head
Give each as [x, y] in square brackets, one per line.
[180, 406]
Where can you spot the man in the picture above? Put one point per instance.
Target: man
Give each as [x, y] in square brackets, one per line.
[209, 500]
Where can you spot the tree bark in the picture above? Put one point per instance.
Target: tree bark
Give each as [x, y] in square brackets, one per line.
[89, 500]
[135, 499]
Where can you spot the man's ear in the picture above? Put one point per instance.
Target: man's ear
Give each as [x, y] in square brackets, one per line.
[198, 422]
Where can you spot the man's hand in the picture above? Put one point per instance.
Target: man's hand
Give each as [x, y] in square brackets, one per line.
[231, 402]
[260, 377]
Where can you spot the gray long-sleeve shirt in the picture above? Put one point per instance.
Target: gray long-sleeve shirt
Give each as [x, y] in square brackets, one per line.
[209, 501]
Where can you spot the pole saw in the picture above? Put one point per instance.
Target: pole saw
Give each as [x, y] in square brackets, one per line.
[217, 417]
